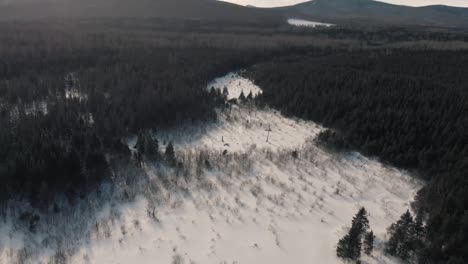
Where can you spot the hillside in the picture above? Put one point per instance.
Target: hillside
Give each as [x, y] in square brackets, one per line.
[257, 203]
[169, 9]
[374, 11]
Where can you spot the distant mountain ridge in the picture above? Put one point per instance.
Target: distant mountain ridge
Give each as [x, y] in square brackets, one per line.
[178, 9]
[331, 11]
[374, 11]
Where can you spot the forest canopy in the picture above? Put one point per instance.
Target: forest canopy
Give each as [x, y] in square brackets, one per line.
[71, 92]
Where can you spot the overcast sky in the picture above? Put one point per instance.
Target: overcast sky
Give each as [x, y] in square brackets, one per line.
[270, 3]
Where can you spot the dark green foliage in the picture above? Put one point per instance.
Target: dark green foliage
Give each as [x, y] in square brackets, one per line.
[349, 247]
[295, 154]
[133, 75]
[148, 146]
[369, 243]
[225, 93]
[405, 238]
[242, 98]
[170, 154]
[407, 107]
[249, 96]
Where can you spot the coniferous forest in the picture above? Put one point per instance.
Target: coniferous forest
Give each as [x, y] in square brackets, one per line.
[72, 92]
[407, 107]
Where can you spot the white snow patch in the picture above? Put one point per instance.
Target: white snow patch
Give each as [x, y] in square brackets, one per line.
[242, 128]
[33, 109]
[235, 84]
[307, 23]
[73, 88]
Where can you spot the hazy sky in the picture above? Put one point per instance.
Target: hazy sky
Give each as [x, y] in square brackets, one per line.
[269, 3]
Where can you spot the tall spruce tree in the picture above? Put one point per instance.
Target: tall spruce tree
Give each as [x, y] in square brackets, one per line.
[349, 247]
[170, 154]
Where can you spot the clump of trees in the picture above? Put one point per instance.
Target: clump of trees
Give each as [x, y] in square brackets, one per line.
[147, 146]
[406, 238]
[350, 247]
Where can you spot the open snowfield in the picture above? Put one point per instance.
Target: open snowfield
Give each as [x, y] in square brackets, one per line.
[307, 23]
[255, 204]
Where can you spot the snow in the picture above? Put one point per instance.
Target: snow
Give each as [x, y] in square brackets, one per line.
[277, 210]
[235, 85]
[242, 129]
[256, 204]
[33, 109]
[307, 23]
[72, 88]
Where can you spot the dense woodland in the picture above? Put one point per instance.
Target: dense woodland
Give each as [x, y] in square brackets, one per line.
[69, 97]
[409, 108]
[71, 93]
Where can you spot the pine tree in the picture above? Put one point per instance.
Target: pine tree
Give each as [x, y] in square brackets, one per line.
[369, 243]
[349, 247]
[170, 154]
[152, 147]
[406, 237]
[147, 146]
[242, 97]
[225, 93]
[343, 249]
[250, 96]
[362, 220]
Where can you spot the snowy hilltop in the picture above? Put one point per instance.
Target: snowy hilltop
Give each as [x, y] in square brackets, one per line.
[256, 188]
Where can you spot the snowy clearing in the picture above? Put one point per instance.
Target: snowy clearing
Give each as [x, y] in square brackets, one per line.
[256, 203]
[235, 85]
[307, 23]
[277, 209]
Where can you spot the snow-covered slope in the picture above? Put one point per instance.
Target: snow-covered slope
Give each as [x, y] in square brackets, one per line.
[257, 203]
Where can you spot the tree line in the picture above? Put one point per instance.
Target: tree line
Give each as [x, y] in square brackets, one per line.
[407, 107]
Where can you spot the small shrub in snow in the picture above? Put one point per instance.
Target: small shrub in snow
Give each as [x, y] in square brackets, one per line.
[177, 259]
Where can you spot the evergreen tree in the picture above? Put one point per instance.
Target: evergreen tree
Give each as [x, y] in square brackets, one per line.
[349, 247]
[242, 97]
[170, 154]
[250, 96]
[225, 93]
[147, 146]
[406, 237]
[369, 243]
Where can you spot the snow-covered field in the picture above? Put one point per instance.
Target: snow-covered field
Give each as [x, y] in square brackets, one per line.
[254, 204]
[307, 23]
